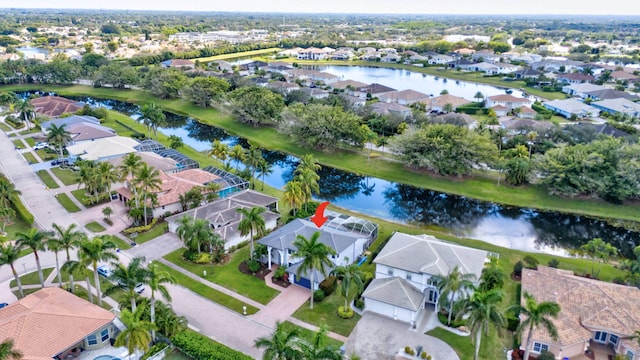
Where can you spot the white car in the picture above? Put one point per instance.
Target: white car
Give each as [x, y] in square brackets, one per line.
[105, 271]
[41, 145]
[139, 288]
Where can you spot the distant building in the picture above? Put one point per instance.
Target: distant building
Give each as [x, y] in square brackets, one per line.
[570, 107]
[506, 100]
[55, 106]
[178, 64]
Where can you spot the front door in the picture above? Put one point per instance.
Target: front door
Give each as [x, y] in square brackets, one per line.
[432, 296]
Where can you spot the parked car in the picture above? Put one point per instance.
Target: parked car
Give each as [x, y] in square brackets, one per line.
[41, 145]
[105, 271]
[139, 288]
[57, 162]
[5, 304]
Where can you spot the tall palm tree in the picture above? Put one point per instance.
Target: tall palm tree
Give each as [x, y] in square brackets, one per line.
[482, 310]
[315, 256]
[127, 278]
[58, 136]
[264, 168]
[252, 160]
[452, 284]
[493, 276]
[282, 345]
[252, 221]
[219, 150]
[7, 191]
[147, 179]
[9, 253]
[68, 239]
[26, 110]
[129, 166]
[156, 279]
[79, 268]
[351, 281]
[7, 351]
[106, 176]
[319, 347]
[536, 315]
[100, 248]
[54, 245]
[152, 117]
[293, 195]
[36, 240]
[137, 334]
[194, 232]
[87, 176]
[238, 154]
[307, 174]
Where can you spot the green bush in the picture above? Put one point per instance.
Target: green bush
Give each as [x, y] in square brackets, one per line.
[423, 355]
[532, 263]
[22, 211]
[517, 268]
[345, 312]
[359, 303]
[546, 355]
[554, 263]
[202, 348]
[198, 258]
[328, 285]
[154, 350]
[407, 349]
[279, 273]
[253, 266]
[142, 228]
[318, 295]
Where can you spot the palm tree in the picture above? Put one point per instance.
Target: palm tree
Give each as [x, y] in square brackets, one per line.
[195, 233]
[54, 245]
[7, 191]
[536, 315]
[68, 239]
[106, 175]
[148, 179]
[282, 345]
[478, 96]
[156, 278]
[127, 278]
[493, 276]
[36, 240]
[252, 220]
[8, 98]
[318, 348]
[7, 351]
[452, 284]
[100, 248]
[87, 176]
[480, 311]
[238, 154]
[293, 195]
[58, 136]
[152, 117]
[79, 268]
[315, 256]
[219, 150]
[597, 249]
[129, 166]
[26, 110]
[264, 169]
[252, 160]
[136, 336]
[9, 253]
[175, 141]
[307, 174]
[351, 281]
[531, 139]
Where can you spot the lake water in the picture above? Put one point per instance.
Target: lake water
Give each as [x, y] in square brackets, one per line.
[511, 227]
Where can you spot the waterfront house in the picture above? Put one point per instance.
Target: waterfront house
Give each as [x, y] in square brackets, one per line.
[54, 106]
[509, 101]
[404, 97]
[570, 107]
[68, 121]
[438, 103]
[178, 64]
[528, 73]
[574, 78]
[403, 285]
[618, 106]
[440, 59]
[283, 87]
[371, 91]
[610, 94]
[348, 86]
[593, 313]
[581, 90]
[102, 149]
[383, 108]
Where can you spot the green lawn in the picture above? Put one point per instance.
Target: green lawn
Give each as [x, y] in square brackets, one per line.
[25, 292]
[207, 292]
[82, 197]
[31, 141]
[326, 313]
[228, 275]
[46, 156]
[490, 346]
[67, 203]
[30, 158]
[243, 54]
[121, 244]
[33, 130]
[67, 176]
[95, 227]
[159, 229]
[307, 334]
[19, 144]
[32, 278]
[5, 127]
[47, 179]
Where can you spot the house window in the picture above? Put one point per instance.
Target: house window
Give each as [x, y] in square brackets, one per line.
[390, 272]
[104, 335]
[613, 339]
[92, 340]
[601, 336]
[629, 355]
[539, 347]
[408, 277]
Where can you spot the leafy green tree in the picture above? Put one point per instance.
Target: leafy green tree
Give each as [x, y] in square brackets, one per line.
[481, 311]
[203, 91]
[35, 240]
[256, 105]
[493, 276]
[252, 222]
[195, 233]
[156, 279]
[319, 348]
[117, 75]
[127, 278]
[315, 257]
[100, 248]
[6, 215]
[9, 254]
[452, 285]
[535, 315]
[136, 335]
[351, 281]
[106, 175]
[597, 249]
[67, 239]
[282, 345]
[8, 351]
[165, 83]
[8, 98]
[175, 142]
[8, 191]
[58, 136]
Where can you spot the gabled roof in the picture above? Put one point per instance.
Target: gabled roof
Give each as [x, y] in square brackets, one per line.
[89, 131]
[103, 148]
[342, 84]
[49, 321]
[68, 121]
[508, 98]
[442, 100]
[385, 108]
[426, 254]
[376, 88]
[526, 123]
[55, 106]
[152, 159]
[395, 291]
[408, 95]
[576, 77]
[609, 94]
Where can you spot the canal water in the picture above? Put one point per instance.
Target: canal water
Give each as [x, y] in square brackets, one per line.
[512, 227]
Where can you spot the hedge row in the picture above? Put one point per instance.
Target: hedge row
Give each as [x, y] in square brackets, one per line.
[22, 211]
[541, 109]
[202, 348]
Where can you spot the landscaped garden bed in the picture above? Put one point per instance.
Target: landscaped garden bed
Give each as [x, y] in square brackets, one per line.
[262, 271]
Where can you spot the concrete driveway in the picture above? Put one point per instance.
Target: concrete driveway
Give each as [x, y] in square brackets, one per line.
[380, 337]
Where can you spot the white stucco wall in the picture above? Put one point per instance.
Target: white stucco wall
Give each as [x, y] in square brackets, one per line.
[391, 311]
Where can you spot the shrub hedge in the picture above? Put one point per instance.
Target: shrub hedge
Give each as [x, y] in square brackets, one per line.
[328, 285]
[22, 211]
[142, 228]
[202, 348]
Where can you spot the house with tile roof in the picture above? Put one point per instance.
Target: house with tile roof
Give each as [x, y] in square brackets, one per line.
[384, 108]
[507, 100]
[592, 313]
[610, 94]
[52, 323]
[404, 97]
[438, 103]
[581, 90]
[54, 106]
[405, 268]
[178, 64]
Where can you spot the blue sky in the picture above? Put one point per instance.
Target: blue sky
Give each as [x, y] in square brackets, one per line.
[610, 7]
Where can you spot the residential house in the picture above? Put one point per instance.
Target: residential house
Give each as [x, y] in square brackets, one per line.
[523, 126]
[593, 313]
[102, 149]
[404, 282]
[623, 76]
[506, 100]
[371, 91]
[54, 106]
[570, 107]
[603, 129]
[556, 65]
[222, 65]
[88, 132]
[384, 108]
[313, 53]
[465, 52]
[348, 86]
[485, 55]
[344, 55]
[440, 59]
[438, 103]
[500, 110]
[354, 101]
[404, 97]
[610, 94]
[68, 121]
[290, 52]
[494, 68]
[52, 323]
[371, 56]
[618, 106]
[178, 64]
[528, 73]
[163, 164]
[278, 66]
[526, 112]
[312, 76]
[223, 215]
[462, 64]
[574, 78]
[581, 90]
[283, 87]
[346, 235]
[390, 58]
[315, 93]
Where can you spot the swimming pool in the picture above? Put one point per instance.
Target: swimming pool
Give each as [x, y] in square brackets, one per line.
[106, 357]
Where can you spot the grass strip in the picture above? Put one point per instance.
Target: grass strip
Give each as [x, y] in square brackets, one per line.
[95, 227]
[325, 313]
[19, 144]
[67, 203]
[4, 127]
[307, 335]
[66, 176]
[30, 158]
[31, 278]
[490, 346]
[47, 179]
[159, 229]
[207, 292]
[31, 141]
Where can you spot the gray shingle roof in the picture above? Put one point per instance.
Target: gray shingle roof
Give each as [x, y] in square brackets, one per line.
[284, 237]
[426, 254]
[395, 291]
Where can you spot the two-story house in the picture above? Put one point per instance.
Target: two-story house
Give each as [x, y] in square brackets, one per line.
[509, 101]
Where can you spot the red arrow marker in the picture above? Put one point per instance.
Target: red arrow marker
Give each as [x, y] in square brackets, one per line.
[319, 219]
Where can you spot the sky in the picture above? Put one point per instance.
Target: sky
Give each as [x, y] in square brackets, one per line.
[487, 7]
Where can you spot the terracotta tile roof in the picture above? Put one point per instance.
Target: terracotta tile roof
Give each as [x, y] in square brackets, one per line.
[442, 100]
[49, 321]
[586, 305]
[54, 105]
